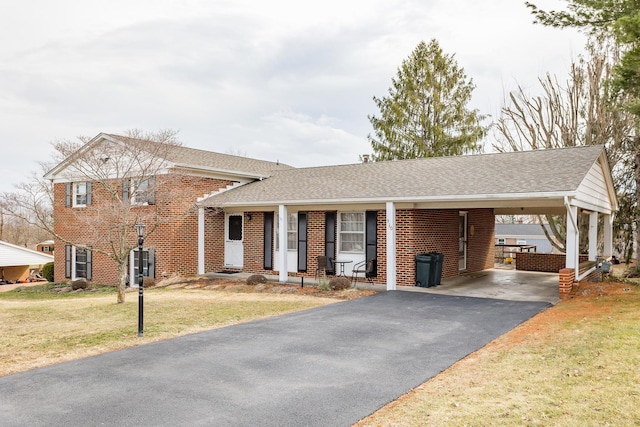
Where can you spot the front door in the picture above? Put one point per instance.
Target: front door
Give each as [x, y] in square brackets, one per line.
[233, 241]
[462, 241]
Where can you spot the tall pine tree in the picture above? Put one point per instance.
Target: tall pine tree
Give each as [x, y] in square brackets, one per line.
[425, 113]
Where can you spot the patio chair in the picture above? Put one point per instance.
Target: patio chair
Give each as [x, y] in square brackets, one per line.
[366, 267]
[325, 265]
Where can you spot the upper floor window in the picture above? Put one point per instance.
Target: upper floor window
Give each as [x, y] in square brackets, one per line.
[143, 192]
[139, 191]
[78, 194]
[351, 232]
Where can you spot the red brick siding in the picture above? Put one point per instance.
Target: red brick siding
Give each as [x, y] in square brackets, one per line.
[174, 241]
[535, 261]
[416, 231]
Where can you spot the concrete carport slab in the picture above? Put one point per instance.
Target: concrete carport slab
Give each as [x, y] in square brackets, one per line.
[327, 366]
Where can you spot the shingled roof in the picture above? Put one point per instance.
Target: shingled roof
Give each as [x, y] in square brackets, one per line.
[543, 172]
[194, 158]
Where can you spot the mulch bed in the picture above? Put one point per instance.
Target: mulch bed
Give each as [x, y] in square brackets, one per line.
[230, 285]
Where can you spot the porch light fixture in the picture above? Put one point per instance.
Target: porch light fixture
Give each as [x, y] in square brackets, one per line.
[140, 227]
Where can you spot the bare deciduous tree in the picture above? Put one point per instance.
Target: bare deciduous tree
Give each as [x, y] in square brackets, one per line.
[131, 183]
[583, 111]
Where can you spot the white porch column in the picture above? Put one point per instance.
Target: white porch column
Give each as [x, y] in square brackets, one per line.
[391, 246]
[200, 240]
[573, 239]
[282, 242]
[593, 236]
[608, 235]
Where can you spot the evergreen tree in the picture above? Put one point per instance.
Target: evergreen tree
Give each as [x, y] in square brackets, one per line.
[425, 113]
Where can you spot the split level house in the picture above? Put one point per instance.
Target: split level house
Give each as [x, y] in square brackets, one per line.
[238, 214]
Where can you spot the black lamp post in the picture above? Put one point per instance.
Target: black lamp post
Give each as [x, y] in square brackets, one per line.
[140, 229]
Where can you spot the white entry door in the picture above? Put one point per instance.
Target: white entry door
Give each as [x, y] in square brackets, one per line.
[233, 241]
[462, 241]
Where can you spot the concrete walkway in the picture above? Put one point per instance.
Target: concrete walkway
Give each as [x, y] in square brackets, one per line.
[328, 366]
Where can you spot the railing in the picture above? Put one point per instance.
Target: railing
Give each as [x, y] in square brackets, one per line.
[504, 251]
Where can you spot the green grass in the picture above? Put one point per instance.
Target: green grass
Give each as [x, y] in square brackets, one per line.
[41, 326]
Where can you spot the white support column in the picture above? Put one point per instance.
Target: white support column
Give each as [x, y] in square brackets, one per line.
[607, 251]
[593, 236]
[200, 240]
[391, 246]
[282, 237]
[573, 239]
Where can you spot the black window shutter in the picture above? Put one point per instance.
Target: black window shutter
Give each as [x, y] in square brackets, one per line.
[89, 191]
[89, 264]
[151, 263]
[67, 261]
[268, 240]
[151, 197]
[330, 234]
[371, 236]
[126, 183]
[67, 196]
[302, 241]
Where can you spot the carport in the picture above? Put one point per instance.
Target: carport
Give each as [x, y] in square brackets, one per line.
[401, 200]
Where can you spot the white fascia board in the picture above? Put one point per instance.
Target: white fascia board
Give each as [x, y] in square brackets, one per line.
[219, 173]
[66, 162]
[609, 180]
[431, 200]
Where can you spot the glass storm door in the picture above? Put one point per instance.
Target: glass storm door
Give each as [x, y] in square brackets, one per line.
[233, 241]
[462, 241]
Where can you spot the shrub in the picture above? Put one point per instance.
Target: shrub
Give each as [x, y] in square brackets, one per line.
[148, 282]
[256, 279]
[339, 283]
[47, 271]
[79, 284]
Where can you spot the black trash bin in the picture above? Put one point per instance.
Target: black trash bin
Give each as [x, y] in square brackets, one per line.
[438, 259]
[424, 270]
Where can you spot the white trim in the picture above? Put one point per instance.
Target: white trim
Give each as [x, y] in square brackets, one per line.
[391, 246]
[607, 250]
[593, 236]
[282, 261]
[573, 239]
[200, 240]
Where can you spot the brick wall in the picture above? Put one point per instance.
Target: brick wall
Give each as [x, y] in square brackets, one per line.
[174, 214]
[535, 261]
[417, 231]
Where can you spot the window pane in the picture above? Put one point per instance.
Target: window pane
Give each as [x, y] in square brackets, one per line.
[352, 232]
[81, 263]
[292, 231]
[80, 193]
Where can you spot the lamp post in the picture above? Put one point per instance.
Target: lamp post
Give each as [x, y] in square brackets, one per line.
[140, 229]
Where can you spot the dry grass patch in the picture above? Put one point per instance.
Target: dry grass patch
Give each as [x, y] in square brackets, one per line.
[574, 364]
[40, 330]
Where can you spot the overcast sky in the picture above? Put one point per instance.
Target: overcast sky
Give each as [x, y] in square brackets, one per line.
[276, 80]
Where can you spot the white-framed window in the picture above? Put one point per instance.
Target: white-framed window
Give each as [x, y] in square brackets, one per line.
[143, 191]
[79, 194]
[292, 232]
[351, 232]
[501, 241]
[78, 263]
[148, 261]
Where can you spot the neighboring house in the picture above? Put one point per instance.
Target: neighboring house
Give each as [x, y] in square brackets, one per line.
[525, 234]
[278, 220]
[16, 262]
[46, 247]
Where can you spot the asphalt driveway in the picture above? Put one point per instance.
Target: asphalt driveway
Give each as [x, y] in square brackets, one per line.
[328, 366]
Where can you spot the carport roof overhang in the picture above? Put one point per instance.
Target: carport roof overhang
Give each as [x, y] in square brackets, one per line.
[503, 204]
